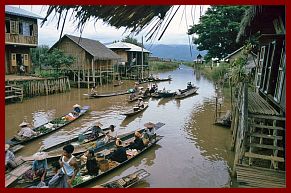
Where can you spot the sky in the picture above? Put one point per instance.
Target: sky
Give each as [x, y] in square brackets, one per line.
[176, 33]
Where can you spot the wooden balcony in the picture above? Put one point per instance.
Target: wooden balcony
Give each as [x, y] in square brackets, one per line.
[17, 39]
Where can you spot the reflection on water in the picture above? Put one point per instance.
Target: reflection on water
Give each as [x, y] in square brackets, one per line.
[193, 152]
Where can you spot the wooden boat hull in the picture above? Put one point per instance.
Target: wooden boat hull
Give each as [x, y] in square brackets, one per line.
[187, 93]
[126, 181]
[14, 141]
[79, 149]
[94, 178]
[132, 112]
[74, 140]
[107, 94]
[108, 146]
[163, 94]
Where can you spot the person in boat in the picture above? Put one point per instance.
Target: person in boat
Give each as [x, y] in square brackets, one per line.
[140, 92]
[39, 167]
[138, 143]
[169, 77]
[108, 136]
[153, 89]
[189, 85]
[9, 158]
[151, 77]
[132, 96]
[119, 154]
[164, 90]
[59, 180]
[25, 131]
[77, 108]
[140, 103]
[111, 131]
[69, 163]
[96, 131]
[92, 165]
[179, 92]
[146, 92]
[93, 91]
[150, 131]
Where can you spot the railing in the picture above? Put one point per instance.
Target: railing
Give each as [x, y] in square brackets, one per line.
[20, 39]
[13, 92]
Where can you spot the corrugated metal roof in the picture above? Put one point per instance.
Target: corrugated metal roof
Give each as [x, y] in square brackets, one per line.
[93, 47]
[127, 46]
[20, 12]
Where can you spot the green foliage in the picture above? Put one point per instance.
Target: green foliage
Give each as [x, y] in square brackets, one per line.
[238, 72]
[38, 55]
[132, 40]
[56, 58]
[219, 72]
[217, 30]
[158, 65]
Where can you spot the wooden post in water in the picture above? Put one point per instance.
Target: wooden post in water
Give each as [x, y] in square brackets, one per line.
[216, 100]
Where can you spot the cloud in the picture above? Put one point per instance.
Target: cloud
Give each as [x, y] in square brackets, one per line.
[175, 34]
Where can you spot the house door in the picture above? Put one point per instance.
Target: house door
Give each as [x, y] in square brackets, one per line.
[19, 62]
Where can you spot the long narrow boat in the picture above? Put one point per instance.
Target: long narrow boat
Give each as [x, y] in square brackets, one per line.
[79, 149]
[161, 79]
[187, 92]
[82, 181]
[107, 94]
[75, 140]
[12, 175]
[136, 98]
[133, 112]
[126, 181]
[47, 128]
[161, 94]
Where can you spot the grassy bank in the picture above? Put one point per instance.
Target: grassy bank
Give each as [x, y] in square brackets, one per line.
[215, 73]
[162, 66]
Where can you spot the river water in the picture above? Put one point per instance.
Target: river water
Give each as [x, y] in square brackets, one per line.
[193, 152]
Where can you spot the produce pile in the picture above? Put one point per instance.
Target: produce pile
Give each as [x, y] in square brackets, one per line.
[59, 121]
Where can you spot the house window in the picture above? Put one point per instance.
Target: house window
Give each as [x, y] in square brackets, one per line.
[20, 27]
[7, 26]
[13, 60]
[266, 50]
[281, 75]
[14, 28]
[261, 63]
[268, 67]
[31, 29]
[25, 61]
[26, 29]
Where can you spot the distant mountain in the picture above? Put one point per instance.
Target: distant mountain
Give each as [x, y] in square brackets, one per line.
[174, 51]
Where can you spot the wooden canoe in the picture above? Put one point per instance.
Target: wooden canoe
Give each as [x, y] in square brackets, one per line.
[126, 181]
[106, 151]
[13, 175]
[161, 94]
[79, 149]
[107, 94]
[132, 112]
[74, 140]
[85, 180]
[187, 93]
[57, 123]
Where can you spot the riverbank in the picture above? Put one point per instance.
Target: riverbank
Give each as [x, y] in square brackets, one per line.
[156, 66]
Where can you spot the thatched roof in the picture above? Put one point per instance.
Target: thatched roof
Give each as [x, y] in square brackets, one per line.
[134, 18]
[127, 47]
[93, 47]
[258, 16]
[20, 12]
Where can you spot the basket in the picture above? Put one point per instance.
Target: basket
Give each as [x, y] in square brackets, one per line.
[104, 165]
